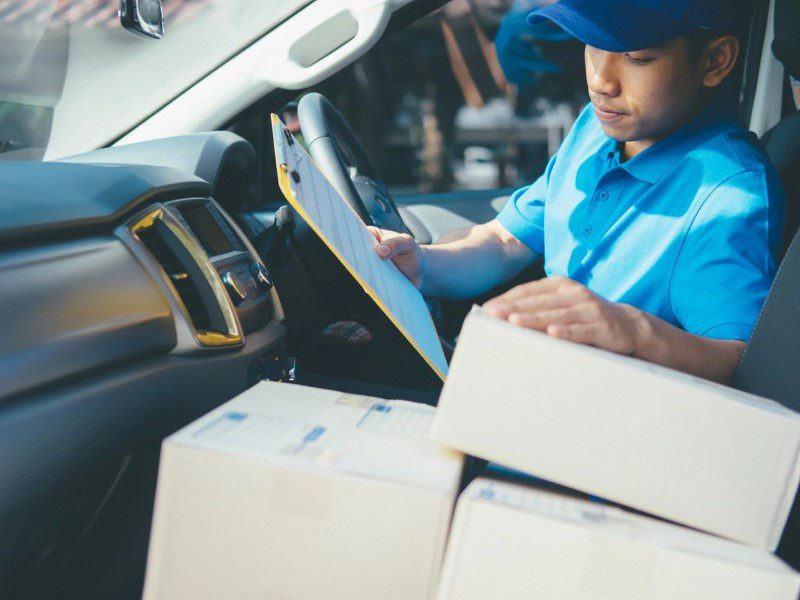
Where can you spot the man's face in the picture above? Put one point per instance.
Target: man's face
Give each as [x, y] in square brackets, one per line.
[647, 94]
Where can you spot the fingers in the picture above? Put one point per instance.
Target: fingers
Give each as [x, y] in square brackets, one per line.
[534, 292]
[501, 308]
[395, 245]
[542, 320]
[542, 286]
[555, 304]
[580, 333]
[376, 233]
[570, 311]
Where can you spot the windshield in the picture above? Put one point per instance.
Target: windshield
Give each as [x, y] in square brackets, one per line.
[72, 79]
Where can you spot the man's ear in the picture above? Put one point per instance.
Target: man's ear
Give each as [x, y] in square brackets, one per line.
[720, 59]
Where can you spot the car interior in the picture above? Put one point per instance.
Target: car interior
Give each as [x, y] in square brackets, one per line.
[146, 282]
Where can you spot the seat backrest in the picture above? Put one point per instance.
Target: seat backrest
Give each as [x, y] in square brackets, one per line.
[770, 366]
[782, 144]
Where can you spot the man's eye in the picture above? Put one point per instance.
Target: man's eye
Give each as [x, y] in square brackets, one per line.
[636, 60]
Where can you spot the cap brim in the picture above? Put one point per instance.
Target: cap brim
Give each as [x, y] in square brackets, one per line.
[614, 26]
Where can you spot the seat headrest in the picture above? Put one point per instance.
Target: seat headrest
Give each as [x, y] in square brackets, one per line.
[786, 46]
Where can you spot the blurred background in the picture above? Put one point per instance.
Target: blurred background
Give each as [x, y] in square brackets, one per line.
[471, 97]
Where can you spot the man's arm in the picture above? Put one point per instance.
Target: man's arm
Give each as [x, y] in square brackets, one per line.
[568, 310]
[472, 261]
[465, 264]
[665, 344]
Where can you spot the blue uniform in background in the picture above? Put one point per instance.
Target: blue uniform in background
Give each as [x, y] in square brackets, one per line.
[687, 230]
[522, 60]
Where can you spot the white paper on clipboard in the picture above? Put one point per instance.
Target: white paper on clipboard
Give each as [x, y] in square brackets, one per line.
[340, 228]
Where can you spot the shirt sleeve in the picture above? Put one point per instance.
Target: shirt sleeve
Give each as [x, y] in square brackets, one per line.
[726, 264]
[523, 214]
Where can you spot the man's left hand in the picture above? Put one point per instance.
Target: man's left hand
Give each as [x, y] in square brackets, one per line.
[568, 310]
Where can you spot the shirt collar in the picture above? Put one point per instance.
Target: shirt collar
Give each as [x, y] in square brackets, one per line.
[651, 164]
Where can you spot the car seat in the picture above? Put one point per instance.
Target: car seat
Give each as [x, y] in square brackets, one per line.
[769, 365]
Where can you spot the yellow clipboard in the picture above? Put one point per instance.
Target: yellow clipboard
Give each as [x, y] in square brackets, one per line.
[316, 200]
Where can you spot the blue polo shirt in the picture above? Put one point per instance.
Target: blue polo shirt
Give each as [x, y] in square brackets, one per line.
[686, 230]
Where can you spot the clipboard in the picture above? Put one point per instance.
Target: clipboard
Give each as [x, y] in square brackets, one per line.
[315, 199]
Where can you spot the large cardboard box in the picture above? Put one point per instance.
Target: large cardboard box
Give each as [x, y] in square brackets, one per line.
[514, 541]
[647, 437]
[290, 492]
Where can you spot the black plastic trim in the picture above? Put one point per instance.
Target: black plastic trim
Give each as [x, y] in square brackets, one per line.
[38, 200]
[54, 436]
[203, 154]
[72, 307]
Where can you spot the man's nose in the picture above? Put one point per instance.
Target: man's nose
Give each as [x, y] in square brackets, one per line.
[601, 78]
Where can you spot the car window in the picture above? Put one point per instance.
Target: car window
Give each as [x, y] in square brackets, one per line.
[469, 97]
[72, 79]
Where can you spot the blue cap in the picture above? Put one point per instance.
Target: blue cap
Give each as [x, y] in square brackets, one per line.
[628, 25]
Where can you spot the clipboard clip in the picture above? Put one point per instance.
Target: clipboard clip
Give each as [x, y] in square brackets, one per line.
[277, 131]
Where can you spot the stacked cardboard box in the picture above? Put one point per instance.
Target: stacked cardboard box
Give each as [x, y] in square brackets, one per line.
[514, 541]
[294, 492]
[664, 443]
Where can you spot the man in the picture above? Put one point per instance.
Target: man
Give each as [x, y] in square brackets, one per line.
[658, 218]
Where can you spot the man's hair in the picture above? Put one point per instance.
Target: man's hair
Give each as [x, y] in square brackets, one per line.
[742, 11]
[698, 39]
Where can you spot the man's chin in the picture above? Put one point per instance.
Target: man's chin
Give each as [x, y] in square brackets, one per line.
[619, 133]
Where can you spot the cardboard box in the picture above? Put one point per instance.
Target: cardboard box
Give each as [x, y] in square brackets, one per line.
[662, 442]
[514, 541]
[294, 492]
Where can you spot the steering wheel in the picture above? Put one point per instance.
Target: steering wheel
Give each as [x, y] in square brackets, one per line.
[338, 153]
[341, 157]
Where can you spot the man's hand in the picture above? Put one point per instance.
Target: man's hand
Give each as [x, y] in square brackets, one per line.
[568, 310]
[403, 250]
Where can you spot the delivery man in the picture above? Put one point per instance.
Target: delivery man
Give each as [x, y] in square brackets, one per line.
[658, 219]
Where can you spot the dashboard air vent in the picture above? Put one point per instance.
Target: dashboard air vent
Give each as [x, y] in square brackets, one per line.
[193, 278]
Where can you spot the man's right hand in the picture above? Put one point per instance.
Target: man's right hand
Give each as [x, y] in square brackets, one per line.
[463, 265]
[403, 250]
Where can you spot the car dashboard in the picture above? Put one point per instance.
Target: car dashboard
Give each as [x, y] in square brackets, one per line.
[131, 303]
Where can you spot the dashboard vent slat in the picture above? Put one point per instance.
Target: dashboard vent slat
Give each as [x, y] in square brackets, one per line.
[153, 239]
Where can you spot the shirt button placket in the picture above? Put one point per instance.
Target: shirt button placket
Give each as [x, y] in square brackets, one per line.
[603, 195]
[587, 230]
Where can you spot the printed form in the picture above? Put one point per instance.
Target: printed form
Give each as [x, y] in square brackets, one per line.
[300, 427]
[340, 228]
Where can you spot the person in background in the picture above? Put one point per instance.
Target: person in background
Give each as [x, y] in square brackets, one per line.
[521, 46]
[543, 62]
